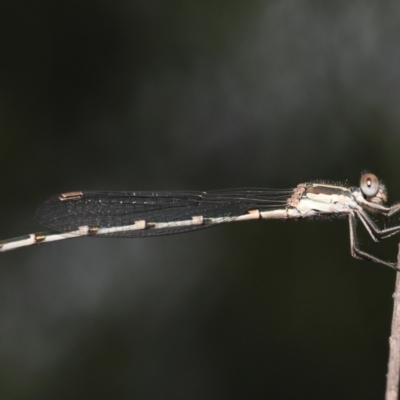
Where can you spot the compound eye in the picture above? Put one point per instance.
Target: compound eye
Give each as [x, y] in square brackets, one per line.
[369, 185]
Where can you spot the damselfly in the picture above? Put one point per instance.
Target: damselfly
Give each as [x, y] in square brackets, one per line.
[142, 214]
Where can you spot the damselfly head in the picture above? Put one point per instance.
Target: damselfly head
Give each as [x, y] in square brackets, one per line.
[372, 189]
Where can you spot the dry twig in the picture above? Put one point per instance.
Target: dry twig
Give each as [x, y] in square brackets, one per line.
[392, 380]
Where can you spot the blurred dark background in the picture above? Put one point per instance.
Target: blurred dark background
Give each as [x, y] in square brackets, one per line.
[142, 95]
